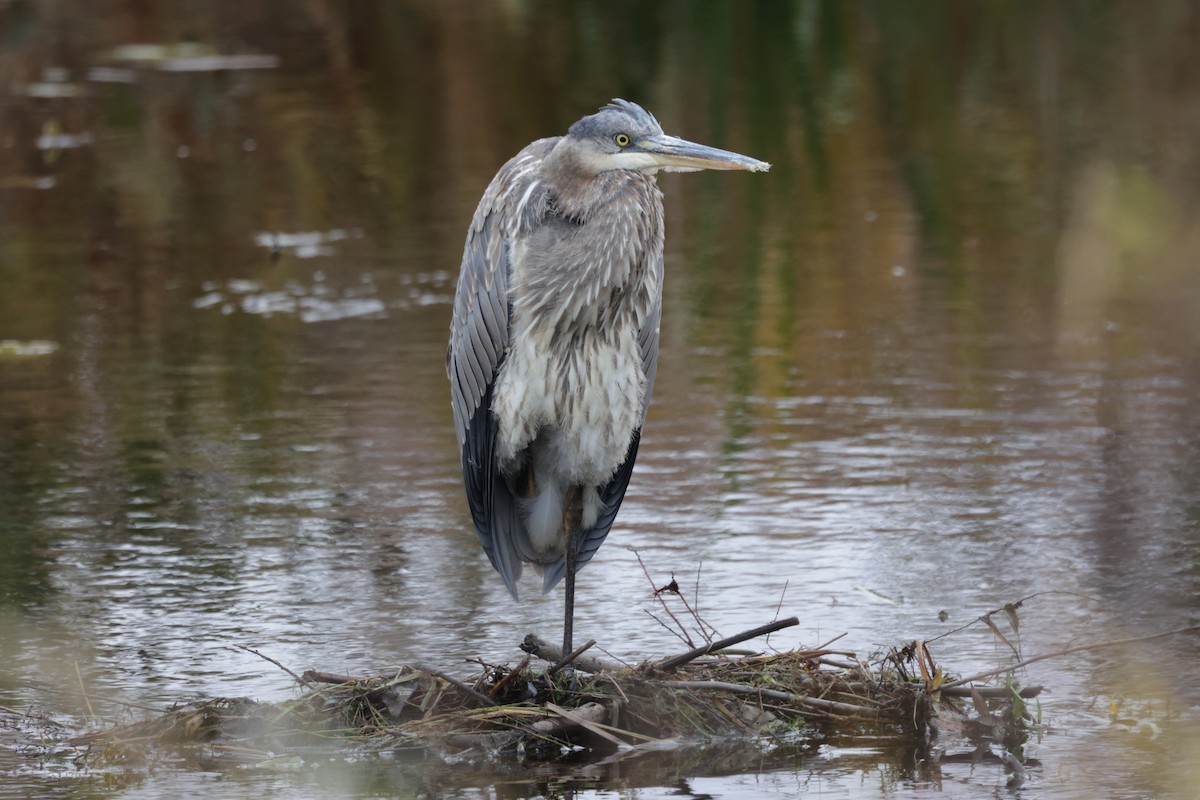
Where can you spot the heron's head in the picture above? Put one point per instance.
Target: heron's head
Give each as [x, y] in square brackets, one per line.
[623, 135]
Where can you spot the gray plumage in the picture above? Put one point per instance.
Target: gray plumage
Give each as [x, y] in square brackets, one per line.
[554, 341]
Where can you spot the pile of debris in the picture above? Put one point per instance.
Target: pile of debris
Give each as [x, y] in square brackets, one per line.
[581, 704]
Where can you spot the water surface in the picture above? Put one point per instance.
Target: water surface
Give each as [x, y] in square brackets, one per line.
[944, 356]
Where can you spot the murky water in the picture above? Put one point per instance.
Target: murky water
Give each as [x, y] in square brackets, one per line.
[946, 355]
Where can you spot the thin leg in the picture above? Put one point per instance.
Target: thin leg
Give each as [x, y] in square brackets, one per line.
[572, 512]
[569, 617]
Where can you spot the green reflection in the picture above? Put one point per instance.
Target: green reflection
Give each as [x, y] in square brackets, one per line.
[979, 213]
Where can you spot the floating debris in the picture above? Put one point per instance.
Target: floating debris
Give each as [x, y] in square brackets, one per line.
[584, 710]
[54, 140]
[304, 244]
[53, 90]
[189, 57]
[55, 84]
[32, 347]
[111, 75]
[316, 303]
[219, 63]
[590, 709]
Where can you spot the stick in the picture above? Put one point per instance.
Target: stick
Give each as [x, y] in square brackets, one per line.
[831, 641]
[316, 676]
[296, 677]
[676, 661]
[83, 690]
[539, 647]
[514, 672]
[561, 729]
[1066, 652]
[571, 656]
[558, 728]
[799, 699]
[989, 691]
[829, 662]
[1017, 604]
[589, 725]
[682, 634]
[462, 687]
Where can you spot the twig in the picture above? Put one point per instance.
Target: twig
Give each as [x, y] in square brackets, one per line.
[617, 662]
[703, 627]
[571, 656]
[993, 692]
[1068, 651]
[514, 672]
[676, 661]
[316, 676]
[737, 688]
[831, 641]
[782, 594]
[296, 677]
[779, 607]
[683, 635]
[462, 687]
[1015, 604]
[829, 662]
[667, 627]
[83, 690]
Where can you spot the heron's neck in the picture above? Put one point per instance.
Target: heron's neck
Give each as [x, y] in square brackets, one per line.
[571, 176]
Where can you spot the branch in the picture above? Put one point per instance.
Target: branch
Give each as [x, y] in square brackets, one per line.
[481, 698]
[514, 672]
[1066, 652]
[535, 645]
[676, 661]
[683, 634]
[299, 679]
[316, 676]
[571, 656]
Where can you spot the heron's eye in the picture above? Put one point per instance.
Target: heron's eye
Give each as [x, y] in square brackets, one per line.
[622, 139]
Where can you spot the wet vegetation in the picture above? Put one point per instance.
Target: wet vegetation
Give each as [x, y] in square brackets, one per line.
[580, 712]
[585, 717]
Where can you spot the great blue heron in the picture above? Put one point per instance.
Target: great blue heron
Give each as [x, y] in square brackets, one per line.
[554, 341]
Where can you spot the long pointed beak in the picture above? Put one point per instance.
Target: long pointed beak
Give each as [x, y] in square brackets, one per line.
[679, 155]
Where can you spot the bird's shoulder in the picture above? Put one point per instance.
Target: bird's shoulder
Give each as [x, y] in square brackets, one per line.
[516, 188]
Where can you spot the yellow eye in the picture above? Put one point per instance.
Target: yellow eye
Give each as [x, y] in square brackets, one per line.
[621, 139]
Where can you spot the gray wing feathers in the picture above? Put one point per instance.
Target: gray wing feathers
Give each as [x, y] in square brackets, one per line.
[479, 330]
[479, 339]
[648, 342]
[479, 333]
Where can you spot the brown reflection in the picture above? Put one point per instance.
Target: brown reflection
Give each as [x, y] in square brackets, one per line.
[968, 288]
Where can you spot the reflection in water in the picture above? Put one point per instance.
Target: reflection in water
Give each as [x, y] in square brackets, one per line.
[944, 358]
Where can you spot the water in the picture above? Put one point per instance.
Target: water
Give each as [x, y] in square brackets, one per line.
[942, 357]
